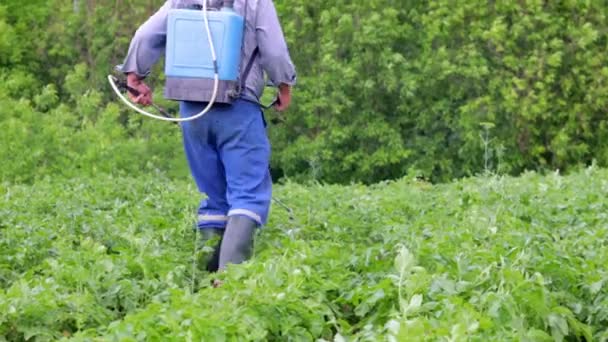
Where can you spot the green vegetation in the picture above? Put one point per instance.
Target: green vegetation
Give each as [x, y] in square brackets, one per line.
[97, 208]
[486, 259]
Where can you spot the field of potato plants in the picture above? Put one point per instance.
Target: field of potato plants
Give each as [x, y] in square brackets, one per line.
[483, 259]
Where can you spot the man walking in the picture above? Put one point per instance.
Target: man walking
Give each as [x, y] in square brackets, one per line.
[227, 149]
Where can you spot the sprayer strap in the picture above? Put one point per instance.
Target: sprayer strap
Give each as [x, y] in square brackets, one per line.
[248, 67]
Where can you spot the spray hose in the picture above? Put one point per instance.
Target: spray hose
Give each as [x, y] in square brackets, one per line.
[165, 117]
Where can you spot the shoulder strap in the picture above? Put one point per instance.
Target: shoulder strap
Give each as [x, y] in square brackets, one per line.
[254, 54]
[248, 67]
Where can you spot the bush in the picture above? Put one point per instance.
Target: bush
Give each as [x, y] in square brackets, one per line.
[426, 87]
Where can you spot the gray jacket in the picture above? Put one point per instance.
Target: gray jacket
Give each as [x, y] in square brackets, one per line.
[263, 30]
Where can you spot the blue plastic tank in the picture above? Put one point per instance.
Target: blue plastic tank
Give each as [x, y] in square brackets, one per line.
[188, 53]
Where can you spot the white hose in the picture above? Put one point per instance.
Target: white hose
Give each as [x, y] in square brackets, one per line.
[215, 84]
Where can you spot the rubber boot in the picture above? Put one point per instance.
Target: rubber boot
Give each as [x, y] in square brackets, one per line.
[237, 244]
[208, 234]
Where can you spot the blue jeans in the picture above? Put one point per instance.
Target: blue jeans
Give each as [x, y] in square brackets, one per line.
[228, 152]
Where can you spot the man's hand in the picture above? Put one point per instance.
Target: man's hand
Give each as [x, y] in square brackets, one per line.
[145, 94]
[284, 98]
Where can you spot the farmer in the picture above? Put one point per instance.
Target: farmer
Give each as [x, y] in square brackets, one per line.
[227, 149]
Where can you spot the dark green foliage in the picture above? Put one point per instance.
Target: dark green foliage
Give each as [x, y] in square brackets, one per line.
[438, 89]
[425, 86]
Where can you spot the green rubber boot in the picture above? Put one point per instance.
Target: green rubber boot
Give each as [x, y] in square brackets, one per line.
[211, 236]
[237, 243]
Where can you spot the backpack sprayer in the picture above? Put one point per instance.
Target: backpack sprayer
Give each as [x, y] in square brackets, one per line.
[192, 61]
